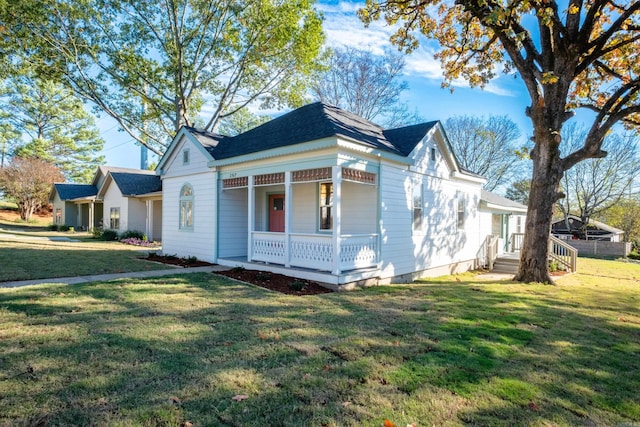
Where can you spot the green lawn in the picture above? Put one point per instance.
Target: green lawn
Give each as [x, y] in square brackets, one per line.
[204, 350]
[25, 259]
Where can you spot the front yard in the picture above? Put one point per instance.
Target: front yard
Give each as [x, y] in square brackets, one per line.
[202, 350]
[25, 256]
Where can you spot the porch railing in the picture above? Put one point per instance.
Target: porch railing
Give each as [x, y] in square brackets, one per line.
[563, 253]
[515, 241]
[488, 252]
[314, 250]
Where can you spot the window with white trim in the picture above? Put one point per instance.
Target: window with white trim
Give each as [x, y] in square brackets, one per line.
[186, 207]
[185, 157]
[58, 216]
[461, 207]
[114, 218]
[418, 217]
[433, 154]
[518, 224]
[325, 206]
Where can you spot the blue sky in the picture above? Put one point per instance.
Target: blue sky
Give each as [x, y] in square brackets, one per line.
[505, 95]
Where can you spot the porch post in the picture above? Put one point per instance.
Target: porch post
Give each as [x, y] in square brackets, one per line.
[90, 222]
[149, 230]
[336, 178]
[250, 216]
[288, 203]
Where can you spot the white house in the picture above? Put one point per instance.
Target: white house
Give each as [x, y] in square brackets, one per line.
[503, 218]
[323, 194]
[118, 198]
[132, 200]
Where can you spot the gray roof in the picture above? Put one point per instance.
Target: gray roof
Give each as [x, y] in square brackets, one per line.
[75, 191]
[134, 184]
[492, 198]
[309, 123]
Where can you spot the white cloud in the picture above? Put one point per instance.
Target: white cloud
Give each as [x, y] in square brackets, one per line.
[343, 28]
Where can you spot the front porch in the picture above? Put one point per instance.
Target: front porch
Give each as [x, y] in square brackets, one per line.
[319, 224]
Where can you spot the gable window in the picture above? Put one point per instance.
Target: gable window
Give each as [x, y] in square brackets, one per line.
[114, 218]
[186, 207]
[461, 209]
[58, 216]
[417, 207]
[185, 157]
[325, 206]
[433, 154]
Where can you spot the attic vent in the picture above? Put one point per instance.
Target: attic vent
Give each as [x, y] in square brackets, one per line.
[269, 178]
[319, 174]
[235, 182]
[358, 176]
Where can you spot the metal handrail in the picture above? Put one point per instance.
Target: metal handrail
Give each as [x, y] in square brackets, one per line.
[563, 253]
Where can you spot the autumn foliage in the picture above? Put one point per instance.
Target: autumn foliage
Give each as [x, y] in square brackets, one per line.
[27, 181]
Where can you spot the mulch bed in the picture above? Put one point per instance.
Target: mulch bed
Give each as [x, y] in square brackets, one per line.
[275, 282]
[174, 260]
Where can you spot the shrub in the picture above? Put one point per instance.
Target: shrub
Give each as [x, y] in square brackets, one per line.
[109, 235]
[64, 228]
[190, 260]
[237, 269]
[96, 233]
[262, 276]
[634, 255]
[133, 234]
[554, 266]
[53, 227]
[297, 285]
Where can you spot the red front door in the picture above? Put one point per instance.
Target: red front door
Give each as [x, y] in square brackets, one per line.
[276, 212]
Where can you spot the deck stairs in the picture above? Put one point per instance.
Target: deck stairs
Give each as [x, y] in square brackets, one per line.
[506, 263]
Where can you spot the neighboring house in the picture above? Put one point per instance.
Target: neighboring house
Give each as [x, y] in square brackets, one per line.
[75, 205]
[595, 230]
[130, 199]
[504, 218]
[323, 194]
[133, 201]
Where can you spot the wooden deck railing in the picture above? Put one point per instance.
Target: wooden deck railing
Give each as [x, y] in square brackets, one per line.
[515, 241]
[488, 252]
[563, 253]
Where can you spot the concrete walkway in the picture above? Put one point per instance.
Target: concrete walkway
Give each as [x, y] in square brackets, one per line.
[106, 277]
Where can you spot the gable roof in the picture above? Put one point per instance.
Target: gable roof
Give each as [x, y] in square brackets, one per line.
[492, 200]
[68, 191]
[309, 123]
[135, 184]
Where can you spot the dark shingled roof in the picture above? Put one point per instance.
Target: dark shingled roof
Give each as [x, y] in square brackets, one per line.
[75, 191]
[309, 123]
[134, 184]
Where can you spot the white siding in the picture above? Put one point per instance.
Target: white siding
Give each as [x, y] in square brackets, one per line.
[200, 241]
[440, 242]
[137, 212]
[359, 208]
[305, 217]
[233, 223]
[113, 199]
[174, 166]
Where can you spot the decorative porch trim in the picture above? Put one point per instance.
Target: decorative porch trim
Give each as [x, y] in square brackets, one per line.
[235, 182]
[358, 176]
[307, 175]
[269, 178]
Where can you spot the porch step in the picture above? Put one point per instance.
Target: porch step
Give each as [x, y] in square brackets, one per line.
[507, 264]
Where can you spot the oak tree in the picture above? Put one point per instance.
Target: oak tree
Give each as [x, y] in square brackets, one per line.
[578, 54]
[157, 65]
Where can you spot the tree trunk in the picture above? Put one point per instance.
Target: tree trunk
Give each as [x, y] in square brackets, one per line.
[547, 173]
